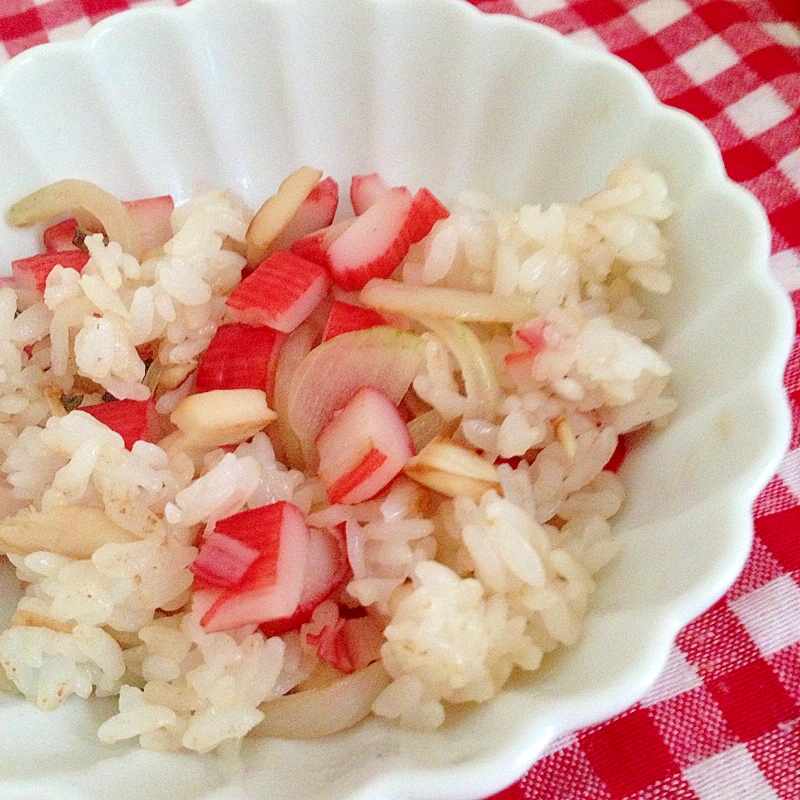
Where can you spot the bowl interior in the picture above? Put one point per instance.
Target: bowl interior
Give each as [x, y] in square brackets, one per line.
[237, 93]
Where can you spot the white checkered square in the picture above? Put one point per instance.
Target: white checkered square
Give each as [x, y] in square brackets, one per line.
[534, 8]
[655, 15]
[790, 165]
[785, 267]
[677, 677]
[789, 472]
[758, 111]
[588, 38]
[784, 33]
[708, 59]
[72, 30]
[771, 614]
[729, 774]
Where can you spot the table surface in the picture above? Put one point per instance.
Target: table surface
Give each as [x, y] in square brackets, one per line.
[723, 720]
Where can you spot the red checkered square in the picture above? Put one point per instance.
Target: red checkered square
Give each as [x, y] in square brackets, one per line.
[21, 25]
[760, 569]
[756, 680]
[596, 12]
[646, 55]
[786, 222]
[783, 774]
[710, 735]
[786, 9]
[102, 8]
[786, 665]
[746, 161]
[563, 775]
[60, 12]
[717, 642]
[675, 787]
[780, 532]
[696, 101]
[771, 62]
[628, 753]
[721, 14]
[776, 496]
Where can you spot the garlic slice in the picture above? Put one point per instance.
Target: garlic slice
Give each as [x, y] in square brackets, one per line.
[453, 470]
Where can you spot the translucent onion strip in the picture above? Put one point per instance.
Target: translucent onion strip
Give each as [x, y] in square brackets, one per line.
[444, 303]
[73, 196]
[478, 373]
[320, 712]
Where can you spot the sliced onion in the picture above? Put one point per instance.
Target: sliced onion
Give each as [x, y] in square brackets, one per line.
[320, 712]
[293, 351]
[444, 303]
[73, 196]
[477, 371]
[426, 427]
[383, 357]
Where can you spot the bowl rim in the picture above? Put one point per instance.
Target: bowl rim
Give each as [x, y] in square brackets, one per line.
[739, 497]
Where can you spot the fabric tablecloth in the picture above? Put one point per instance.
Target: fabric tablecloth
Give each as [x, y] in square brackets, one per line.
[723, 720]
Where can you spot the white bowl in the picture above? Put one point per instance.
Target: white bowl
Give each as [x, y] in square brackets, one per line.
[237, 93]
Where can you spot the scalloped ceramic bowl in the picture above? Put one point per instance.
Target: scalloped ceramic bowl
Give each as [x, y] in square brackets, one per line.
[237, 93]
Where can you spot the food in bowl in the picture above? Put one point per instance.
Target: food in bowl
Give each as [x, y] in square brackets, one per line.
[269, 473]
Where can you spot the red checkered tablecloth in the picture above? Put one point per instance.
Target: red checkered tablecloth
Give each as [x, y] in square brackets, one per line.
[723, 721]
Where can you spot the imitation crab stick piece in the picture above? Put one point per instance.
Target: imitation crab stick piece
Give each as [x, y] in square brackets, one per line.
[348, 644]
[131, 419]
[365, 190]
[281, 292]
[345, 317]
[327, 571]
[60, 236]
[272, 585]
[222, 561]
[240, 357]
[363, 448]
[30, 274]
[374, 244]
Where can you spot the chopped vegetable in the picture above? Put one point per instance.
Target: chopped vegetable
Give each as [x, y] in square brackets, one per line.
[315, 212]
[71, 195]
[223, 416]
[384, 358]
[277, 212]
[74, 531]
[452, 470]
[445, 303]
